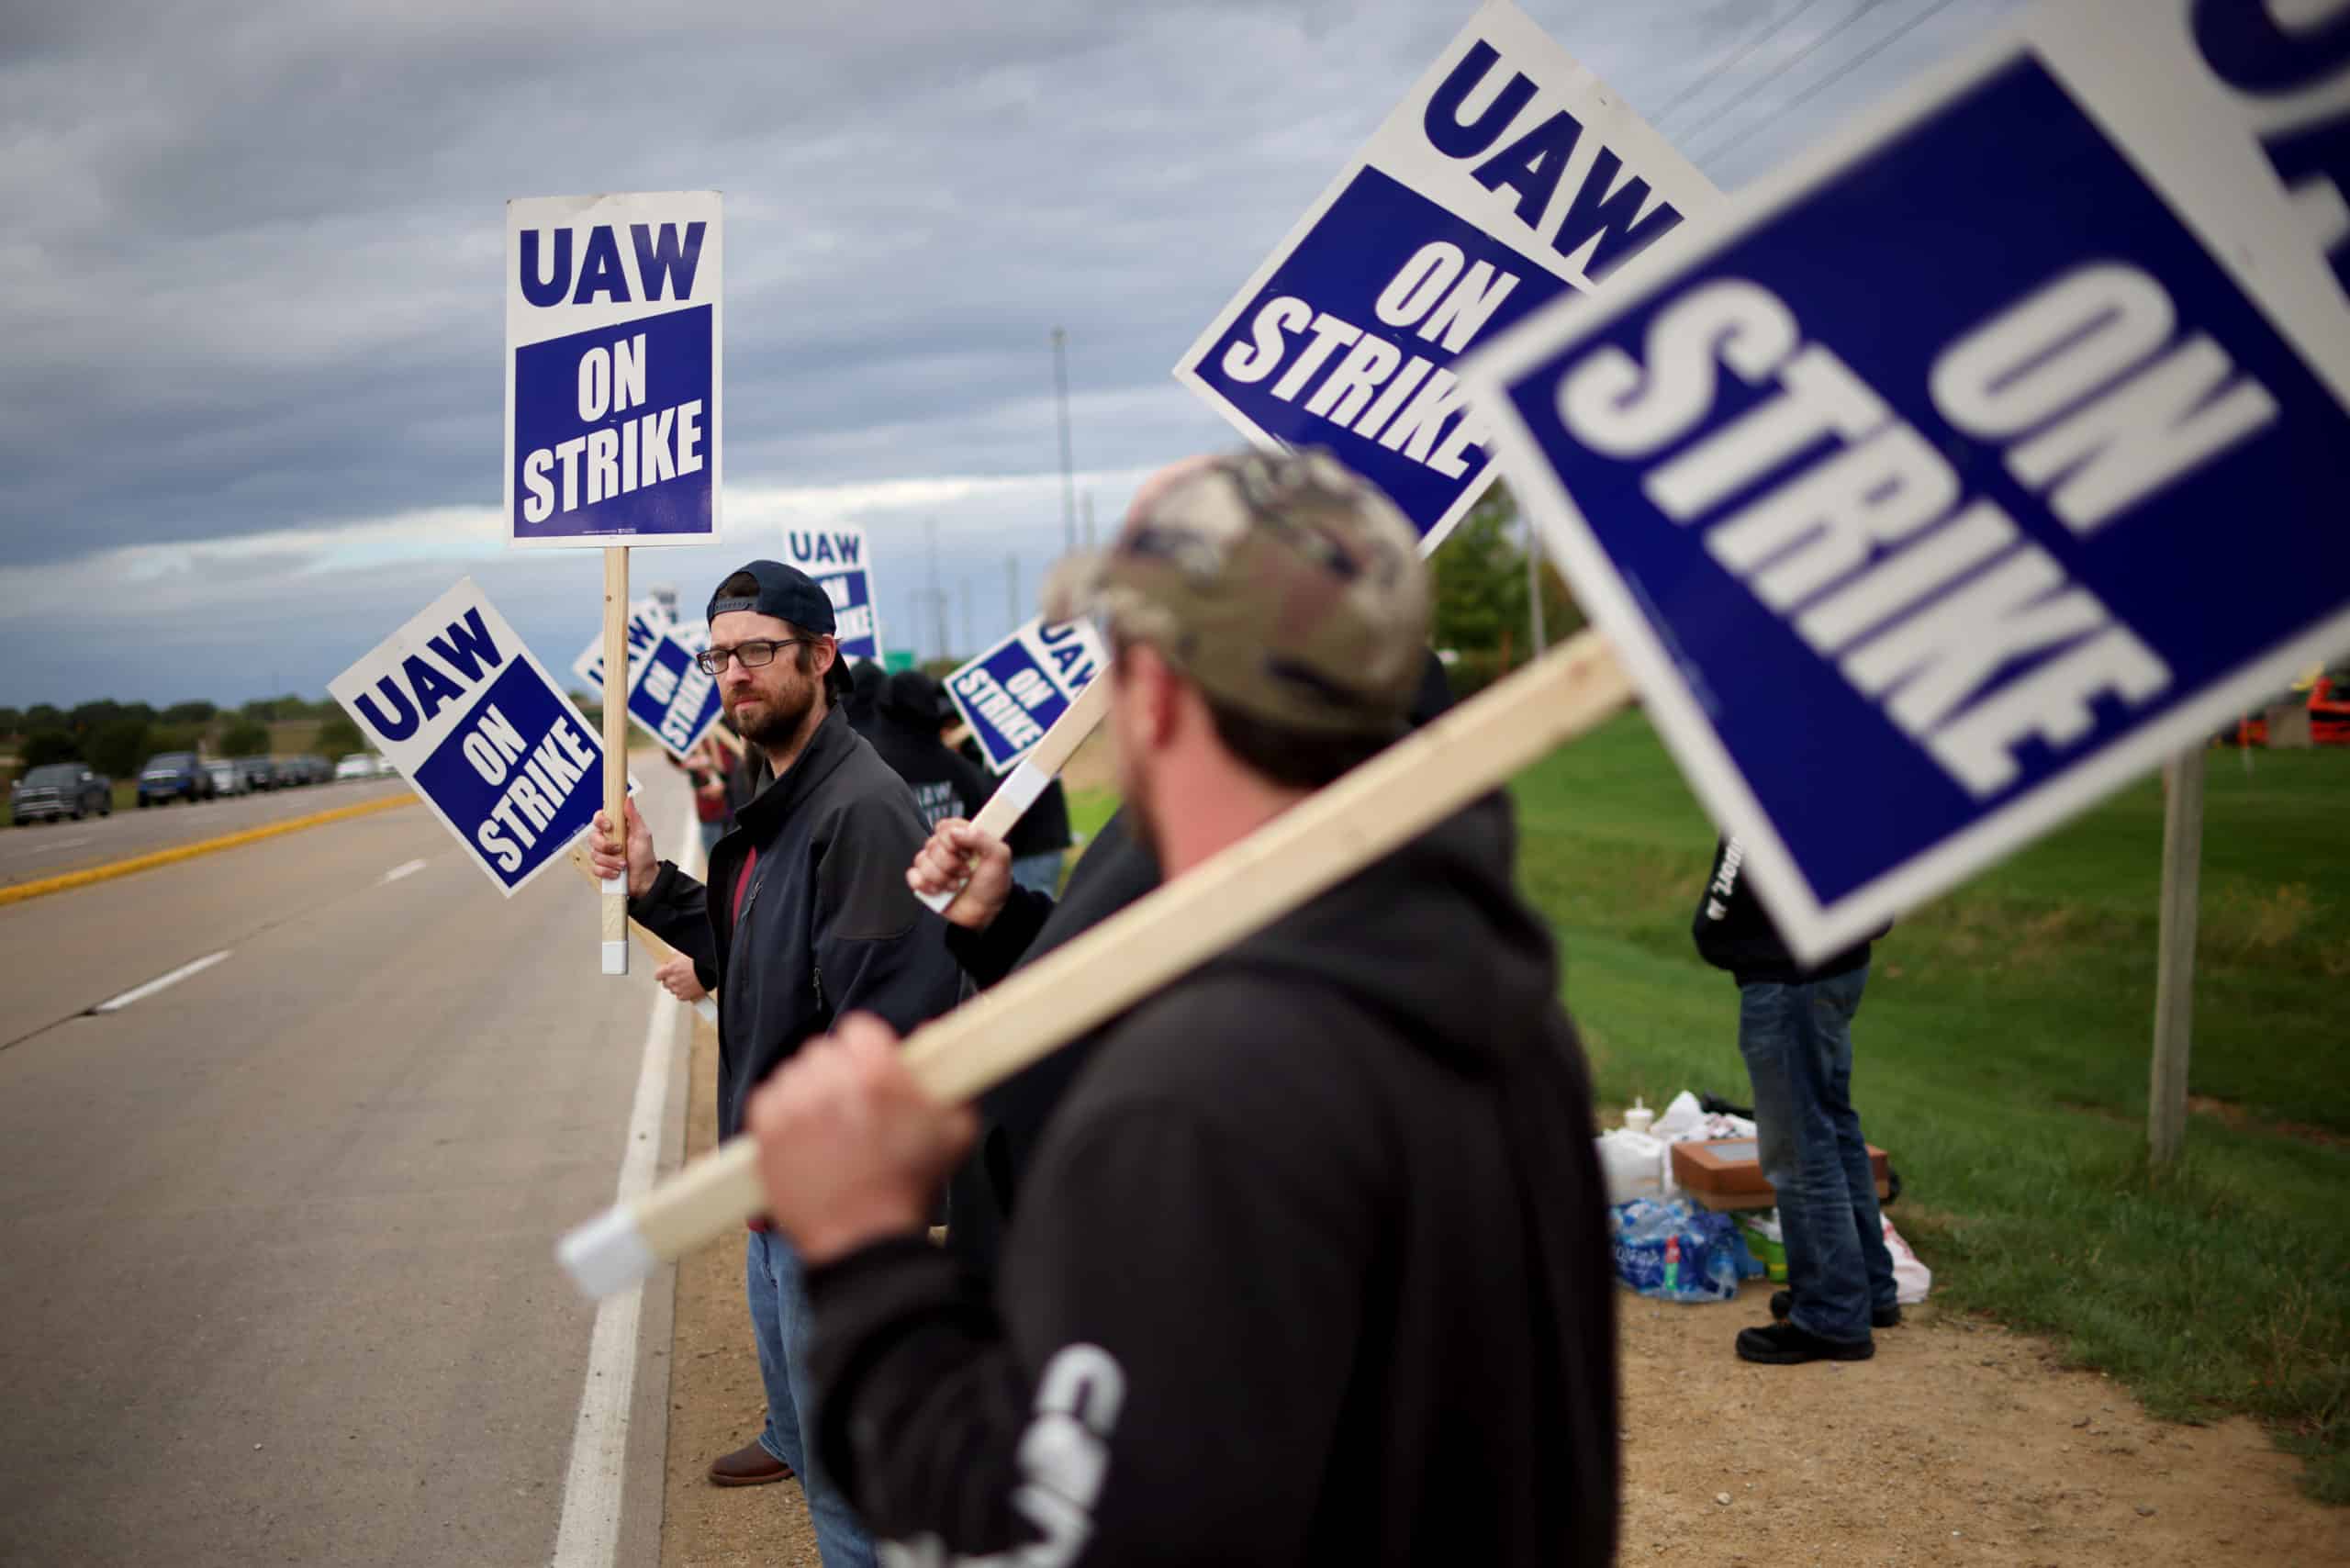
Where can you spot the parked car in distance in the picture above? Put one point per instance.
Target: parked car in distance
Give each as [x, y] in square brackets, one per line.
[320, 770]
[226, 779]
[61, 789]
[358, 765]
[288, 772]
[257, 773]
[386, 768]
[173, 776]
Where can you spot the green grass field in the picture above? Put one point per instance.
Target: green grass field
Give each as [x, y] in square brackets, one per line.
[2002, 1057]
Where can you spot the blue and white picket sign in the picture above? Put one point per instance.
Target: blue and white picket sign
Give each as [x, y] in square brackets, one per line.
[1013, 693]
[1957, 474]
[479, 729]
[614, 362]
[837, 557]
[668, 696]
[1507, 176]
[2290, 87]
[646, 622]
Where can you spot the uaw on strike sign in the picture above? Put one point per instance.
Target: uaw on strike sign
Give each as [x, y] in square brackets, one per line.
[1967, 468]
[836, 559]
[613, 369]
[482, 732]
[1507, 176]
[668, 696]
[1017, 690]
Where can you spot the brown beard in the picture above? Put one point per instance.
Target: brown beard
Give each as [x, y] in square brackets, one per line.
[780, 718]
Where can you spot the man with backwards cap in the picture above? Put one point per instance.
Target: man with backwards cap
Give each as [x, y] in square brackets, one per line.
[1311, 1263]
[806, 916]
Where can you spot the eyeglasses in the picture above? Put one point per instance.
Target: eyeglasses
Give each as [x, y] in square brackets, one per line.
[755, 654]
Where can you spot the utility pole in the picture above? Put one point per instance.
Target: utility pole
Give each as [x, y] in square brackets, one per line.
[1011, 591]
[1534, 585]
[2174, 960]
[1069, 471]
[970, 641]
[1087, 505]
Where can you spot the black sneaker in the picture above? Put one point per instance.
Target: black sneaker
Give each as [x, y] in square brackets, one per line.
[1784, 1302]
[1784, 1345]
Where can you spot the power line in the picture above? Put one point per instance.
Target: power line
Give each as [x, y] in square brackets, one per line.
[1805, 53]
[1769, 32]
[1867, 54]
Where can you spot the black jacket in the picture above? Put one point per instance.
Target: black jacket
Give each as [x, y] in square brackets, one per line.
[1734, 931]
[1114, 871]
[1311, 1267]
[828, 924]
[943, 784]
[1043, 828]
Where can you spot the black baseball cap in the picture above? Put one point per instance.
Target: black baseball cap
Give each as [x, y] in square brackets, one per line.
[785, 592]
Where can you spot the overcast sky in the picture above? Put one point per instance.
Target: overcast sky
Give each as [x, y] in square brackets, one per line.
[251, 279]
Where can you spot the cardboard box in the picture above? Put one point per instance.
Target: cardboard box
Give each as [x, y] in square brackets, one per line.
[1724, 1175]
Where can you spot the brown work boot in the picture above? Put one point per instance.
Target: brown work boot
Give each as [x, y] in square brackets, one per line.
[750, 1465]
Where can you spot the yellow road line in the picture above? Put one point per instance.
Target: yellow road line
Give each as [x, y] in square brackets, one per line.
[23, 890]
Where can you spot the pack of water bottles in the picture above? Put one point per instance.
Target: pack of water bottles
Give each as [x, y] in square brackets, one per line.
[1676, 1251]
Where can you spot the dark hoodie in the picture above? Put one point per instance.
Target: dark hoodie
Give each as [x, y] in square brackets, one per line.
[862, 706]
[1311, 1267]
[1734, 931]
[905, 732]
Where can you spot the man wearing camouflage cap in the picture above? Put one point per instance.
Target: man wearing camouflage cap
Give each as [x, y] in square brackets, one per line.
[1312, 1264]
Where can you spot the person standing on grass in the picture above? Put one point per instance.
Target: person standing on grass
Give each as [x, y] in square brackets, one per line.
[1794, 1029]
[1313, 1265]
[806, 915]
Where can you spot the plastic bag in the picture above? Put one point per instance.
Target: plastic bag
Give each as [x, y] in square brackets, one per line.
[1760, 1227]
[1633, 1164]
[1911, 1278]
[1676, 1251]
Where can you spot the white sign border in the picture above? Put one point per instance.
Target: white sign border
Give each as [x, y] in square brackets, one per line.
[714, 429]
[408, 775]
[1496, 16]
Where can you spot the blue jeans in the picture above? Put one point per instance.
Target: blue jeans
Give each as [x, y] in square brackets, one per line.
[780, 1318]
[1797, 1042]
[1039, 872]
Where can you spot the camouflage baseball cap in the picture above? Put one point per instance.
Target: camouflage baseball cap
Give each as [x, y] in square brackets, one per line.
[1288, 588]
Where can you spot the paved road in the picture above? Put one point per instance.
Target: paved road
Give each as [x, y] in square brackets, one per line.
[278, 1284]
[46, 849]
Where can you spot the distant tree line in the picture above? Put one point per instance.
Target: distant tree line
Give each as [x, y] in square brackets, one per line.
[1481, 598]
[116, 738]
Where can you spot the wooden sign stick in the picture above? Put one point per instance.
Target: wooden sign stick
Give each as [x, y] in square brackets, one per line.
[1400, 793]
[1037, 770]
[614, 898]
[662, 952]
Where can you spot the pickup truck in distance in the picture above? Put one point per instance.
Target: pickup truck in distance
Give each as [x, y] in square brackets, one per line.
[59, 789]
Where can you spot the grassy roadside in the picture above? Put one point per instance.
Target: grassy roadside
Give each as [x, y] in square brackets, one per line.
[2003, 1058]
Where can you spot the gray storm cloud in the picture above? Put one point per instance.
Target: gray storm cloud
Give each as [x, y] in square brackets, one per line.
[250, 286]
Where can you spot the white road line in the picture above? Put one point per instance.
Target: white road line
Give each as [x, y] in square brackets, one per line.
[588, 1535]
[140, 993]
[56, 843]
[406, 868]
